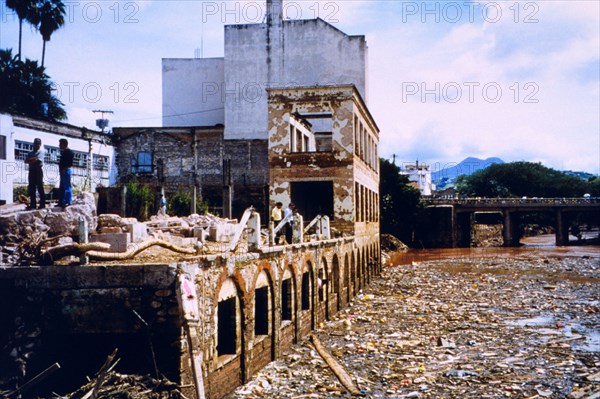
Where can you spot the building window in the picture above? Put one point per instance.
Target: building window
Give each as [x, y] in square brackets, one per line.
[100, 162]
[143, 163]
[261, 311]
[2, 147]
[286, 300]
[306, 291]
[226, 339]
[22, 148]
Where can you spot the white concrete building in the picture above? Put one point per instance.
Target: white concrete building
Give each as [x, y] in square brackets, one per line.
[16, 140]
[279, 53]
[419, 175]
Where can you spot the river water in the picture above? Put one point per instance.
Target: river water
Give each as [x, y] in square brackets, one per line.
[532, 247]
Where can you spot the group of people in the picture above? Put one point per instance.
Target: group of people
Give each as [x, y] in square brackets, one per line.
[35, 160]
[287, 215]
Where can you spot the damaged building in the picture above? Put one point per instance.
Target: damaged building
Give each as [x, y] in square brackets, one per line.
[216, 118]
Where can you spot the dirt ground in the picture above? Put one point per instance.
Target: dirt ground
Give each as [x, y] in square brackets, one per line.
[524, 327]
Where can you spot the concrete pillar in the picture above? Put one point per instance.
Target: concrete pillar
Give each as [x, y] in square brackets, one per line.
[454, 228]
[507, 229]
[562, 229]
[298, 229]
[83, 238]
[324, 228]
[254, 231]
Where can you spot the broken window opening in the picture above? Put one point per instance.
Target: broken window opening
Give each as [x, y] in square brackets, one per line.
[2, 147]
[227, 327]
[335, 266]
[261, 311]
[142, 163]
[306, 291]
[322, 285]
[286, 300]
[313, 199]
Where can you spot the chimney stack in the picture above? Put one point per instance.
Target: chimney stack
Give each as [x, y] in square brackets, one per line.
[274, 11]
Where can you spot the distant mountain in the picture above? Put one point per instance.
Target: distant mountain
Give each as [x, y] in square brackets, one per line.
[447, 175]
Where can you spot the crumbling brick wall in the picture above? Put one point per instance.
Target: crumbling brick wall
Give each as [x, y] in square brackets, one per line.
[186, 157]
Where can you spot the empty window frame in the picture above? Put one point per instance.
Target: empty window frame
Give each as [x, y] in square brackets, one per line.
[227, 327]
[287, 302]
[306, 291]
[261, 311]
[2, 147]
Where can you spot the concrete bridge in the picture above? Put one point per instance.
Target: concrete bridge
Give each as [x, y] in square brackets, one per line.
[463, 215]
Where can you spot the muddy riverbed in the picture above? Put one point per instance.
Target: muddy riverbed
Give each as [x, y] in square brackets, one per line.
[515, 324]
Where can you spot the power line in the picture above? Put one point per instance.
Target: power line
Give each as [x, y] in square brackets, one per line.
[170, 116]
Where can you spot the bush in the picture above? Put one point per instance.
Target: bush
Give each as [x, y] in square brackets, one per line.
[180, 204]
[140, 200]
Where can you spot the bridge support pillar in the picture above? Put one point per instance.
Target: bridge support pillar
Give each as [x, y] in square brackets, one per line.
[562, 229]
[508, 229]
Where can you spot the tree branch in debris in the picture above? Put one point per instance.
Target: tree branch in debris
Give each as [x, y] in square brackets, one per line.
[337, 368]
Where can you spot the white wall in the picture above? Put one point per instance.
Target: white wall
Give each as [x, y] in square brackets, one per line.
[192, 92]
[15, 172]
[296, 54]
[7, 166]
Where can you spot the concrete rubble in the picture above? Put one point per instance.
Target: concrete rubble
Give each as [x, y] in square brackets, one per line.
[36, 227]
[464, 328]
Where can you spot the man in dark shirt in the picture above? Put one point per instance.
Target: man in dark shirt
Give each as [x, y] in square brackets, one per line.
[35, 160]
[64, 166]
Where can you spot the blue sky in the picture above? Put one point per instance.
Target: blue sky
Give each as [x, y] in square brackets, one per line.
[447, 80]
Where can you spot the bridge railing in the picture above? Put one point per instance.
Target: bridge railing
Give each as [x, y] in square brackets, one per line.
[511, 201]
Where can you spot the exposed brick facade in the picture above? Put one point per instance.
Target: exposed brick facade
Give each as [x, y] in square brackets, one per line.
[182, 158]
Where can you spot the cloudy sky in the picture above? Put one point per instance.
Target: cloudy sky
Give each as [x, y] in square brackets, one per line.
[447, 80]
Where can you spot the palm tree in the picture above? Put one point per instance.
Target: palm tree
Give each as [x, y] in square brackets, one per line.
[27, 90]
[49, 16]
[24, 10]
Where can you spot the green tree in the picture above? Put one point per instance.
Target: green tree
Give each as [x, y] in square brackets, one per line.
[27, 90]
[400, 203]
[48, 17]
[24, 9]
[518, 179]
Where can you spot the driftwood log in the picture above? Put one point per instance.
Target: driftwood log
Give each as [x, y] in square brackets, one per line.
[335, 366]
[98, 251]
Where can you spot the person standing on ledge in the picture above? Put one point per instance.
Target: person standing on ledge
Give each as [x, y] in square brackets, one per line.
[276, 216]
[35, 160]
[65, 168]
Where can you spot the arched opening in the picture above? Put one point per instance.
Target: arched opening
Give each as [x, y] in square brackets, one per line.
[358, 281]
[229, 320]
[335, 281]
[288, 329]
[307, 307]
[347, 278]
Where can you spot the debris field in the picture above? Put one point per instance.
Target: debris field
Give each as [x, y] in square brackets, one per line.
[524, 327]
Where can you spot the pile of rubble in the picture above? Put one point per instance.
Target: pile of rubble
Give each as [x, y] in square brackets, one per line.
[464, 328]
[27, 236]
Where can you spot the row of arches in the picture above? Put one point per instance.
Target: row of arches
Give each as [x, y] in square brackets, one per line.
[262, 309]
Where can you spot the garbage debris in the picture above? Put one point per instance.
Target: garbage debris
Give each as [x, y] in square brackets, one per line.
[458, 328]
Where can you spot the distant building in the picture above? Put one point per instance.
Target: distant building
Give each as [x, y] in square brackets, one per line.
[16, 140]
[419, 175]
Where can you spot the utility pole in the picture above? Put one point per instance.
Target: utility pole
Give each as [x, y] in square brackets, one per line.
[101, 123]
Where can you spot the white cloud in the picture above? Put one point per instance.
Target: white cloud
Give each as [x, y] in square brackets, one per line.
[554, 60]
